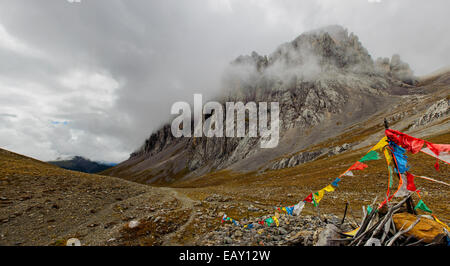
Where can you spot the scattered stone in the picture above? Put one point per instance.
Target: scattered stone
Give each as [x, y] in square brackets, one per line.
[252, 208]
[227, 240]
[133, 224]
[238, 233]
[326, 237]
[73, 242]
[282, 231]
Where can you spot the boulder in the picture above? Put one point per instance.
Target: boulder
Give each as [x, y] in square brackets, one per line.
[327, 235]
[426, 229]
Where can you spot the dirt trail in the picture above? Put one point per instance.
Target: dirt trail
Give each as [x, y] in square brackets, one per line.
[186, 204]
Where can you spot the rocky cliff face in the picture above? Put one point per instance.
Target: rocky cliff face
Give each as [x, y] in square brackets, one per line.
[323, 76]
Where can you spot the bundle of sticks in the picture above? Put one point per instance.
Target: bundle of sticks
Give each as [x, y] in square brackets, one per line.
[378, 229]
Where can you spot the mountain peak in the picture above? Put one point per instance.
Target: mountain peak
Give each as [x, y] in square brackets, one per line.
[81, 164]
[330, 49]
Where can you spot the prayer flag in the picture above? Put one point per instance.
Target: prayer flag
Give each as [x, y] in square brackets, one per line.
[276, 221]
[329, 188]
[358, 166]
[381, 144]
[348, 173]
[319, 195]
[421, 205]
[414, 145]
[309, 198]
[336, 181]
[298, 208]
[410, 185]
[372, 155]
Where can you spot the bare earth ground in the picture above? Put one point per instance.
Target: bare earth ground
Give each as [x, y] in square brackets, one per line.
[44, 205]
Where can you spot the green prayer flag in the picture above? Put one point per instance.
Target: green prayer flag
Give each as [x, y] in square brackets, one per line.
[314, 199]
[369, 209]
[269, 221]
[421, 205]
[391, 180]
[372, 155]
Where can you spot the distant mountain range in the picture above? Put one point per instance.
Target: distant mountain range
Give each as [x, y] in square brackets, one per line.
[81, 164]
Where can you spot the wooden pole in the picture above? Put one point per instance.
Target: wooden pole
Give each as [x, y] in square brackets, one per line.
[386, 124]
[345, 213]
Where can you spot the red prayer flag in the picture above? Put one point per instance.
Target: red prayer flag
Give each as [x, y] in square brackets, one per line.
[358, 166]
[410, 182]
[438, 148]
[309, 198]
[414, 145]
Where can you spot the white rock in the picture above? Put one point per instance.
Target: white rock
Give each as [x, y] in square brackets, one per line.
[73, 242]
[133, 224]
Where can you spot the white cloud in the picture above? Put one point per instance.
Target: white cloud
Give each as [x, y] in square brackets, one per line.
[9, 42]
[95, 89]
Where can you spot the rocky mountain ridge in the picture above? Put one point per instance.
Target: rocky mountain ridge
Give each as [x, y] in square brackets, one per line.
[324, 80]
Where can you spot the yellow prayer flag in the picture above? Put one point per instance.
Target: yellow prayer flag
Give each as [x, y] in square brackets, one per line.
[329, 188]
[276, 221]
[383, 142]
[388, 157]
[319, 195]
[353, 232]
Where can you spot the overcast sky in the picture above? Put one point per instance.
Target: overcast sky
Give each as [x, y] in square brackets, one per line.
[96, 78]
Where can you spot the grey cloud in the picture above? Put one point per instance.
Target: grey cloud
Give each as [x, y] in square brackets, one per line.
[113, 68]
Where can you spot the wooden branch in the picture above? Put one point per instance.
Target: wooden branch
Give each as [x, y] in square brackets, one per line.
[407, 240]
[353, 217]
[415, 243]
[394, 229]
[387, 226]
[345, 213]
[365, 223]
[384, 221]
[401, 232]
[372, 227]
[362, 231]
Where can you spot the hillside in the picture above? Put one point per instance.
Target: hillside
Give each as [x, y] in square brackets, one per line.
[41, 204]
